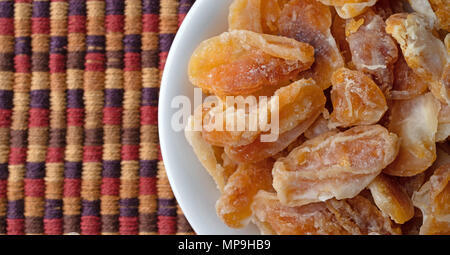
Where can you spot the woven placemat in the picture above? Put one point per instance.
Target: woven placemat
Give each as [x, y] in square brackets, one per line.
[79, 84]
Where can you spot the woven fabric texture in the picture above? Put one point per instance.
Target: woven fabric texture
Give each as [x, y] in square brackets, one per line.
[79, 85]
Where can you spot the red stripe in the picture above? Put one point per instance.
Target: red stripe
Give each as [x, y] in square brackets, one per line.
[38, 117]
[22, 1]
[167, 225]
[112, 115]
[90, 225]
[77, 24]
[75, 117]
[181, 17]
[147, 186]
[110, 186]
[17, 156]
[22, 63]
[5, 117]
[92, 153]
[3, 184]
[55, 155]
[72, 187]
[40, 25]
[114, 23]
[150, 23]
[128, 225]
[15, 226]
[130, 152]
[95, 62]
[53, 226]
[162, 60]
[149, 115]
[132, 61]
[57, 63]
[34, 187]
[6, 26]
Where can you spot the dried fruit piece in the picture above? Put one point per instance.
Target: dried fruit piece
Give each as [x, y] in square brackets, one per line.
[424, 53]
[407, 84]
[433, 199]
[350, 216]
[436, 11]
[242, 62]
[320, 126]
[412, 227]
[385, 8]
[309, 21]
[258, 150]
[373, 50]
[357, 100]
[206, 154]
[391, 199]
[443, 130]
[338, 32]
[347, 9]
[415, 122]
[297, 103]
[233, 206]
[255, 15]
[345, 163]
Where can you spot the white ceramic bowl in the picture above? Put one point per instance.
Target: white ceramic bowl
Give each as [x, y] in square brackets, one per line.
[194, 189]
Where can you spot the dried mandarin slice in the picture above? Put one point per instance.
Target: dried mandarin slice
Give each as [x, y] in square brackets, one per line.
[242, 62]
[245, 15]
[415, 121]
[360, 216]
[424, 8]
[272, 217]
[350, 216]
[357, 100]
[423, 51]
[255, 15]
[320, 126]
[309, 21]
[233, 206]
[206, 154]
[347, 9]
[334, 164]
[407, 84]
[373, 50]
[443, 130]
[391, 199]
[297, 103]
[433, 199]
[259, 150]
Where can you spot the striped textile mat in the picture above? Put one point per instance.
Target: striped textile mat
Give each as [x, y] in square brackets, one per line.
[79, 84]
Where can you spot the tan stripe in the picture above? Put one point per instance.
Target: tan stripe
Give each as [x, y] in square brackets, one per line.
[74, 153]
[7, 43]
[75, 79]
[114, 41]
[109, 205]
[95, 16]
[150, 77]
[111, 151]
[40, 80]
[36, 153]
[147, 204]
[94, 81]
[71, 205]
[163, 185]
[4, 144]
[40, 42]
[34, 207]
[22, 14]
[114, 78]
[168, 17]
[150, 41]
[90, 188]
[133, 20]
[76, 42]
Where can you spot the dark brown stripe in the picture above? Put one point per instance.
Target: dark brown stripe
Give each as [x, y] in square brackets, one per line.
[130, 135]
[71, 224]
[57, 137]
[114, 59]
[75, 60]
[6, 61]
[183, 225]
[149, 58]
[34, 225]
[93, 136]
[147, 222]
[110, 223]
[18, 138]
[40, 61]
